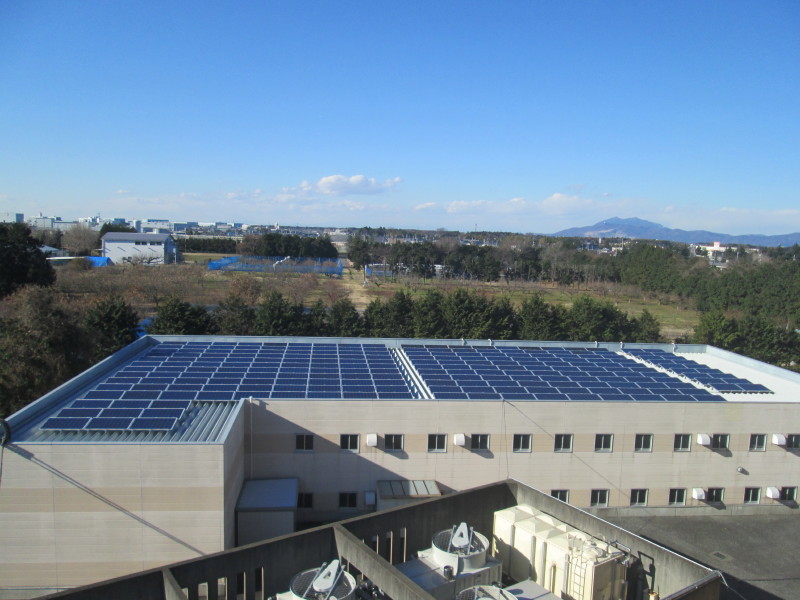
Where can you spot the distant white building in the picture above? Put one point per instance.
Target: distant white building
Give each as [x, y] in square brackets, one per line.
[10, 217]
[140, 248]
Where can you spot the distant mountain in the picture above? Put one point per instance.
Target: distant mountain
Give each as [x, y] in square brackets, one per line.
[641, 229]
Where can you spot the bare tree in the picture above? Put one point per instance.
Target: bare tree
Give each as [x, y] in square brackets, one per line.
[80, 240]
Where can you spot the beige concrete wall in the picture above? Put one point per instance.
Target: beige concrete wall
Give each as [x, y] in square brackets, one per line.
[233, 474]
[328, 470]
[73, 514]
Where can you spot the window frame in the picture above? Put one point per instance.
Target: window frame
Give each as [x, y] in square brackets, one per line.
[562, 495]
[679, 446]
[720, 441]
[749, 492]
[758, 437]
[348, 500]
[599, 498]
[715, 495]
[636, 496]
[435, 446]
[788, 493]
[677, 497]
[398, 442]
[481, 438]
[641, 447]
[522, 437]
[303, 442]
[305, 500]
[793, 441]
[603, 442]
[558, 442]
[345, 440]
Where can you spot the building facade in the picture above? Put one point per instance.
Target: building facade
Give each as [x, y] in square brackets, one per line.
[140, 248]
[140, 460]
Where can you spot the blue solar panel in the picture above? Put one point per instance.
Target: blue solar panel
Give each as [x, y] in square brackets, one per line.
[91, 403]
[79, 412]
[130, 404]
[120, 413]
[180, 404]
[171, 413]
[65, 423]
[218, 396]
[108, 424]
[143, 395]
[103, 394]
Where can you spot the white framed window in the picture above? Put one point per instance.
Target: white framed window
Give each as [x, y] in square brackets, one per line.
[682, 443]
[349, 442]
[793, 441]
[643, 442]
[715, 495]
[752, 495]
[720, 441]
[562, 495]
[393, 442]
[599, 498]
[639, 497]
[522, 442]
[563, 442]
[758, 442]
[604, 442]
[479, 441]
[437, 442]
[677, 496]
[789, 494]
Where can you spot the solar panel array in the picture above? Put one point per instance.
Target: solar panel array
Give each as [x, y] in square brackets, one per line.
[158, 390]
[720, 381]
[554, 374]
[173, 375]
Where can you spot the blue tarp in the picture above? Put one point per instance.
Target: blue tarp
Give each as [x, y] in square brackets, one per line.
[278, 264]
[99, 261]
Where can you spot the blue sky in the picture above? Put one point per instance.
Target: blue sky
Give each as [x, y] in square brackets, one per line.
[514, 116]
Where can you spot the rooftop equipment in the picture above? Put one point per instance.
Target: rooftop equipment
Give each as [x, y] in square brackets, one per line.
[457, 559]
[564, 560]
[485, 592]
[328, 582]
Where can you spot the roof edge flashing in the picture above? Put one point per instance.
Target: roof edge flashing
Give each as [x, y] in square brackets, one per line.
[21, 419]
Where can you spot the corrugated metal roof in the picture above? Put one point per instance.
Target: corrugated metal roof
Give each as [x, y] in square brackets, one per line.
[205, 422]
[115, 236]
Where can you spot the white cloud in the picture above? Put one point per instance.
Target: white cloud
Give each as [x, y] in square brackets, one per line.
[425, 206]
[561, 204]
[121, 192]
[340, 185]
[336, 185]
[464, 206]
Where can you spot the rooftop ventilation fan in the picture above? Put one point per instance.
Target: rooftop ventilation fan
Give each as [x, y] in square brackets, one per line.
[485, 592]
[328, 582]
[461, 547]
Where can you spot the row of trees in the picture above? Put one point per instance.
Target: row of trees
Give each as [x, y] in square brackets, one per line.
[46, 339]
[460, 314]
[770, 289]
[216, 245]
[277, 244]
[752, 336]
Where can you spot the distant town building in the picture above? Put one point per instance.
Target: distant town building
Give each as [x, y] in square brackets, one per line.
[140, 248]
[9, 217]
